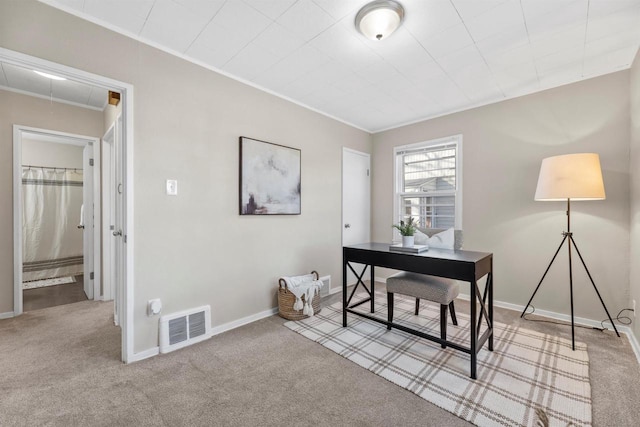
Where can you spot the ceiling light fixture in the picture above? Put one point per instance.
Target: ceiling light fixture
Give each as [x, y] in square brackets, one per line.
[379, 19]
[49, 76]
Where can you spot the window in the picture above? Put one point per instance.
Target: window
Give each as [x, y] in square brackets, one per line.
[428, 183]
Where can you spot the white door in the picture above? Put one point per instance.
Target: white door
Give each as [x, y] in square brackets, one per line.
[356, 201]
[119, 225]
[108, 213]
[113, 214]
[88, 220]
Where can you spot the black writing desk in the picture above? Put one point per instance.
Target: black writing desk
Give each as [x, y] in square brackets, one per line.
[461, 265]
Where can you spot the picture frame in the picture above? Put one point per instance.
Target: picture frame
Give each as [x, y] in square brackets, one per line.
[270, 178]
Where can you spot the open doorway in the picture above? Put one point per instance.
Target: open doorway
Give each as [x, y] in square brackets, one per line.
[122, 288]
[61, 247]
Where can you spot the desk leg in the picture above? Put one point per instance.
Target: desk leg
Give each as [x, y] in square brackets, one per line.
[344, 291]
[490, 284]
[474, 336]
[373, 288]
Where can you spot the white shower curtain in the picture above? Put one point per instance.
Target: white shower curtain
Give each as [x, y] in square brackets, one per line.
[52, 242]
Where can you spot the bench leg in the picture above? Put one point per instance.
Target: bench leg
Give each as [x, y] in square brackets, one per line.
[452, 309]
[417, 305]
[389, 308]
[443, 323]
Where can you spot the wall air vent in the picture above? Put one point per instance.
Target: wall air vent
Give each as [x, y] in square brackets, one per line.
[326, 289]
[184, 328]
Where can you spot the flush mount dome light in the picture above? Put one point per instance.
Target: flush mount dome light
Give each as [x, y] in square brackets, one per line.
[378, 19]
[49, 76]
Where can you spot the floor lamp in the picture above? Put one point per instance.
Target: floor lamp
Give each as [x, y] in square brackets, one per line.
[570, 177]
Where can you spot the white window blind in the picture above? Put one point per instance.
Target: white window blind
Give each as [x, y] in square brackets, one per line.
[427, 186]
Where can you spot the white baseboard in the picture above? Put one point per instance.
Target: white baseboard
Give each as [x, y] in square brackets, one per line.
[150, 352]
[544, 313]
[335, 290]
[567, 318]
[241, 322]
[154, 351]
[633, 341]
[7, 315]
[635, 345]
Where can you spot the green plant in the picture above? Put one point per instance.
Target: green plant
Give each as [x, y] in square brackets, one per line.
[407, 228]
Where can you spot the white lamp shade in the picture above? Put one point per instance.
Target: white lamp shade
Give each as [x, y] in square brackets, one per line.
[378, 19]
[572, 176]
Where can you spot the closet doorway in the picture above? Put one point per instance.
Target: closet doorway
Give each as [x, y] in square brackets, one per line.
[356, 201]
[60, 216]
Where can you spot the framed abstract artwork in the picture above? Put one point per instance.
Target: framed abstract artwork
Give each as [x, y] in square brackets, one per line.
[269, 178]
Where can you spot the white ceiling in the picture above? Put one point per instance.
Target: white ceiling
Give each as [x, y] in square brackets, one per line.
[23, 80]
[449, 55]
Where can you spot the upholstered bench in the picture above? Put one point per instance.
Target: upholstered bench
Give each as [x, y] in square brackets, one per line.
[421, 286]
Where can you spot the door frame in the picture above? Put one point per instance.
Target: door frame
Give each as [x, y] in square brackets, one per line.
[96, 251]
[126, 96]
[62, 138]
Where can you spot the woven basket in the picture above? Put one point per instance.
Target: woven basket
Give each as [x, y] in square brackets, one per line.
[286, 300]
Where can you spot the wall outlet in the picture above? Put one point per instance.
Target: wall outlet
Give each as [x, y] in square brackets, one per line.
[154, 307]
[634, 308]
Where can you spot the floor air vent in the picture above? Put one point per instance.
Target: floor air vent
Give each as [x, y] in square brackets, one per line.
[184, 328]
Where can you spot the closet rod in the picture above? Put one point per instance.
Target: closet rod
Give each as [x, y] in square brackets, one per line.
[51, 167]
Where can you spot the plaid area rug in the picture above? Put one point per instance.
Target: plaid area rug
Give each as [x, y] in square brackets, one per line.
[526, 371]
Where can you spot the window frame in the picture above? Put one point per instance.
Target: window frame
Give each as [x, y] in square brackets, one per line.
[398, 178]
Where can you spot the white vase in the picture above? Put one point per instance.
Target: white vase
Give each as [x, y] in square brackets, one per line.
[407, 241]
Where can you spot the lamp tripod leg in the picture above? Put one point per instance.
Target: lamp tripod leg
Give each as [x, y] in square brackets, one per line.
[594, 285]
[573, 325]
[543, 276]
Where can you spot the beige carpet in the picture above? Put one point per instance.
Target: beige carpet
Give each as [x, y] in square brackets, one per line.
[526, 370]
[60, 367]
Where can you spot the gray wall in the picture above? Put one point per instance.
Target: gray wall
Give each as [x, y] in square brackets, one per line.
[43, 153]
[503, 146]
[194, 248]
[39, 113]
[635, 187]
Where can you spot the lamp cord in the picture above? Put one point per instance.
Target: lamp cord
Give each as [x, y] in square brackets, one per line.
[623, 320]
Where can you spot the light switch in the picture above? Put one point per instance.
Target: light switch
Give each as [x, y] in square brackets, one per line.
[172, 187]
